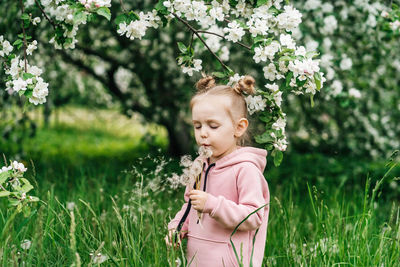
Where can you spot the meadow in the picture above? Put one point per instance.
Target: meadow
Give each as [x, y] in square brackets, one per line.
[105, 200]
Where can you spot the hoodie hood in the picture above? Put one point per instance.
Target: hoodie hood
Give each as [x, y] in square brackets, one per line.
[257, 156]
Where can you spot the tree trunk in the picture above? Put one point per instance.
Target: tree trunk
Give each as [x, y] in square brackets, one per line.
[46, 114]
[180, 142]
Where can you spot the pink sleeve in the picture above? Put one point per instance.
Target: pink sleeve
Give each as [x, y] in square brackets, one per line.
[252, 194]
[173, 224]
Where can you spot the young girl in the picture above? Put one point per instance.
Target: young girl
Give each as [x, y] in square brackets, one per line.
[232, 182]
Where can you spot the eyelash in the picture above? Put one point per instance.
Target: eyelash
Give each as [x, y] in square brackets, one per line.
[212, 127]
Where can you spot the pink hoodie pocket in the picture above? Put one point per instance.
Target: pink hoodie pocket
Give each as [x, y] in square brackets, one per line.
[210, 253]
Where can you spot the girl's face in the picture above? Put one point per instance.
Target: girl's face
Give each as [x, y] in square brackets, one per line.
[213, 127]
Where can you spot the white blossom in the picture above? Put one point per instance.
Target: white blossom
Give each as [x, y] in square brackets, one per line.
[346, 63]
[19, 84]
[270, 72]
[18, 166]
[5, 169]
[255, 103]
[289, 19]
[234, 79]
[330, 25]
[32, 46]
[235, 32]
[36, 21]
[196, 67]
[280, 124]
[273, 87]
[286, 40]
[353, 92]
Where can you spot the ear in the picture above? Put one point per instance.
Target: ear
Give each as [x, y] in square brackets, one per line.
[241, 127]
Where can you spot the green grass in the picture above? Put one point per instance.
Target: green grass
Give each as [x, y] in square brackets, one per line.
[321, 210]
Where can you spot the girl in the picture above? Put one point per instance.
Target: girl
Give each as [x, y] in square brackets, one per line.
[232, 182]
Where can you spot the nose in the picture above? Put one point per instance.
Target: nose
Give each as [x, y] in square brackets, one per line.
[203, 132]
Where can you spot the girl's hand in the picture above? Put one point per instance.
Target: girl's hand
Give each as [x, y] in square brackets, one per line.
[172, 239]
[199, 199]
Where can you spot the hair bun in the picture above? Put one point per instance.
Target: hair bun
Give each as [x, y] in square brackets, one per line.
[205, 83]
[246, 85]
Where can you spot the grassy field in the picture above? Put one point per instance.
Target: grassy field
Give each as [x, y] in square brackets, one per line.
[102, 181]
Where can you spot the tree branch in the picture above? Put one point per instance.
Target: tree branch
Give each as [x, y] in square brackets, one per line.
[201, 39]
[44, 14]
[23, 31]
[108, 83]
[223, 37]
[103, 56]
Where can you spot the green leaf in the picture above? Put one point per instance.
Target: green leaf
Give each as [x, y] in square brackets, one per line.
[262, 2]
[182, 47]
[28, 93]
[105, 12]
[219, 74]
[288, 78]
[259, 38]
[317, 78]
[33, 199]
[25, 16]
[79, 17]
[121, 18]
[264, 138]
[312, 54]
[161, 8]
[301, 83]
[273, 10]
[4, 193]
[68, 41]
[286, 58]
[14, 202]
[278, 156]
[265, 117]
[133, 16]
[18, 42]
[4, 176]
[91, 17]
[27, 75]
[26, 188]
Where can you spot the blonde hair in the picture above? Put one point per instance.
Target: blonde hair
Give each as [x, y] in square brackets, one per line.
[238, 108]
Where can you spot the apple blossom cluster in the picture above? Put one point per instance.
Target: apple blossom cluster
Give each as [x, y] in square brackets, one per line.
[14, 166]
[68, 17]
[196, 66]
[255, 103]
[24, 81]
[92, 4]
[393, 17]
[360, 78]
[270, 26]
[5, 47]
[136, 29]
[14, 186]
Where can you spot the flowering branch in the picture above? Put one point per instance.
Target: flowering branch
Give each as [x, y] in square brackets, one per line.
[45, 15]
[223, 37]
[201, 39]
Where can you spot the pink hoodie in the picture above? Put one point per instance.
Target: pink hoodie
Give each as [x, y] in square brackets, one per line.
[236, 187]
